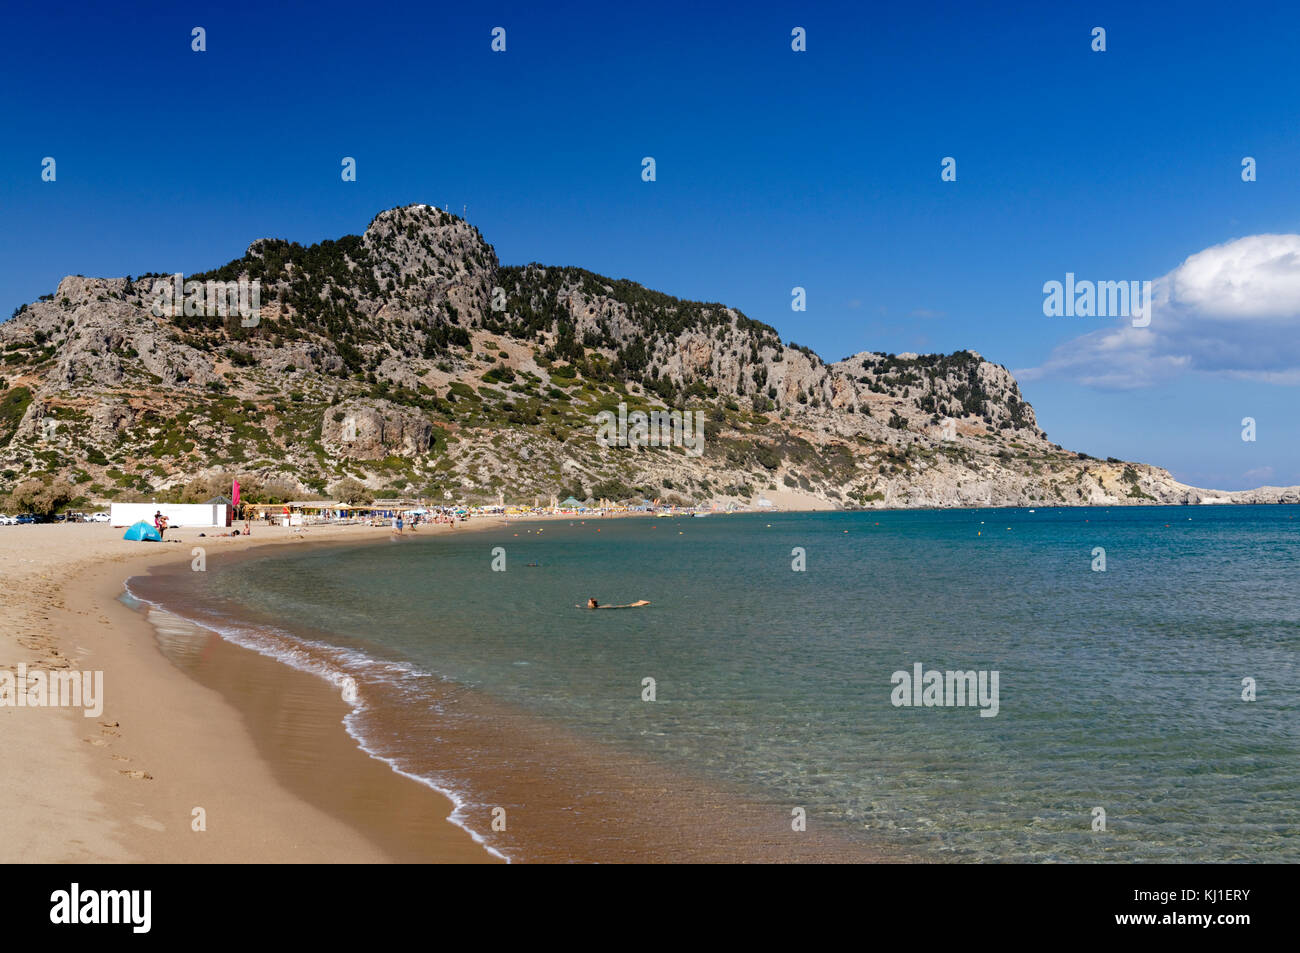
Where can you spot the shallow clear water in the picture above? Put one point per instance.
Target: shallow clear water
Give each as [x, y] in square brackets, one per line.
[1119, 689]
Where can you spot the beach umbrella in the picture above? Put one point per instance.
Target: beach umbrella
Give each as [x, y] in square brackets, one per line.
[143, 532]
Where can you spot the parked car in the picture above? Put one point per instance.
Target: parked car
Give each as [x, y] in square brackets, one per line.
[7, 520]
[25, 518]
[97, 518]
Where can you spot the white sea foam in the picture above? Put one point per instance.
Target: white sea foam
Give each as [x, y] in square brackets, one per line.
[304, 655]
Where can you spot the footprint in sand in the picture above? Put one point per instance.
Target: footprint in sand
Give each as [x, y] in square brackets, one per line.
[137, 775]
[97, 742]
[120, 757]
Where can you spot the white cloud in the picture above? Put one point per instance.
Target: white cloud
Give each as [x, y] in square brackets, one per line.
[1232, 309]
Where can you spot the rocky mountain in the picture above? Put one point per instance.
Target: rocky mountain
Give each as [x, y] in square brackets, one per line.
[409, 359]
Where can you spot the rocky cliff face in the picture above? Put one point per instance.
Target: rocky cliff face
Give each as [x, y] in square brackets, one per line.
[408, 358]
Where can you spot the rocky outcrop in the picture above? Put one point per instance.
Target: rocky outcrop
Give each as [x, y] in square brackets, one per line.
[374, 429]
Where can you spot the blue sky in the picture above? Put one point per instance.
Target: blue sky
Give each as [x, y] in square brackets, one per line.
[774, 169]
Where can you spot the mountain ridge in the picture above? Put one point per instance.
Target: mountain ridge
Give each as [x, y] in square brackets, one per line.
[409, 360]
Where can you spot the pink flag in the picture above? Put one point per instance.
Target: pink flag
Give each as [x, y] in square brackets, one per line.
[234, 494]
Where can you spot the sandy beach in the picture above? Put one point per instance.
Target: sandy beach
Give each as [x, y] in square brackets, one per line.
[241, 746]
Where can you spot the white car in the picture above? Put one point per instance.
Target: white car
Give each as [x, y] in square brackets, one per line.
[7, 520]
[97, 518]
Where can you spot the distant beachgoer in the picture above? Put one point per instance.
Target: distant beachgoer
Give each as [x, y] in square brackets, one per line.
[593, 604]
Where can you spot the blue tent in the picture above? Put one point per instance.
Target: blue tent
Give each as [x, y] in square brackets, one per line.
[143, 532]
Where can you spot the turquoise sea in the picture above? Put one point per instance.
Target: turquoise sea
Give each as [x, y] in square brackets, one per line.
[1119, 689]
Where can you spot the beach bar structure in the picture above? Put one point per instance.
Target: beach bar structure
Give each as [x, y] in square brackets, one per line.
[297, 512]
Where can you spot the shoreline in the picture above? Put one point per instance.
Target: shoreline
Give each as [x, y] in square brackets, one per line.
[364, 789]
[124, 786]
[487, 755]
[117, 788]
